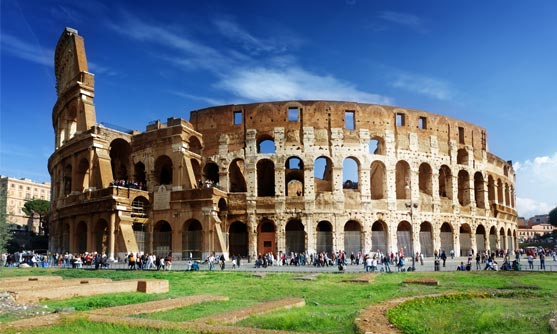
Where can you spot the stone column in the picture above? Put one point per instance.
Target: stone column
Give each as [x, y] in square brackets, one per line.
[111, 236]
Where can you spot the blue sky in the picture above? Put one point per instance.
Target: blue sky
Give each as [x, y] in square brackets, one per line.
[491, 63]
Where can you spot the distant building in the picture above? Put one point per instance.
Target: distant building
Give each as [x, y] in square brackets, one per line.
[15, 192]
[536, 226]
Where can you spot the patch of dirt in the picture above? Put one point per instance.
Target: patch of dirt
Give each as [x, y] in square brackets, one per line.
[423, 281]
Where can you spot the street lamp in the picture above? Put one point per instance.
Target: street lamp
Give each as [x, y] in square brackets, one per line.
[411, 205]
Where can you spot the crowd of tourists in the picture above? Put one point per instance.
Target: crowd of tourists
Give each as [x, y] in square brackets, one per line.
[128, 184]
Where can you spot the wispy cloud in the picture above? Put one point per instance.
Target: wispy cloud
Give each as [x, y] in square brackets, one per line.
[424, 85]
[404, 19]
[276, 76]
[21, 49]
[210, 101]
[536, 185]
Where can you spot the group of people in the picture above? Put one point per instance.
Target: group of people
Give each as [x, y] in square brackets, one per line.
[142, 261]
[128, 184]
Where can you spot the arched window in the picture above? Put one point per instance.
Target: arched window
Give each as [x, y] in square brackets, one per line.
[403, 180]
[294, 176]
[479, 192]
[463, 188]
[445, 182]
[377, 146]
[120, 159]
[163, 170]
[265, 178]
[236, 176]
[266, 145]
[323, 174]
[350, 173]
[378, 180]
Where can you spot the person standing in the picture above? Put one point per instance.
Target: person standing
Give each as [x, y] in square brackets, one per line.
[542, 261]
[443, 257]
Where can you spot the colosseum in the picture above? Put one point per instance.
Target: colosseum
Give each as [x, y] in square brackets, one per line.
[286, 176]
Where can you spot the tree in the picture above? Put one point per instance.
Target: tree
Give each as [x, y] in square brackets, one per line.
[40, 208]
[4, 230]
[553, 217]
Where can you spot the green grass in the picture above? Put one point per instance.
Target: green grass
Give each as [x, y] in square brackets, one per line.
[331, 304]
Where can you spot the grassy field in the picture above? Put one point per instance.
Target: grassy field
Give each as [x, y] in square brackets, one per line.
[484, 302]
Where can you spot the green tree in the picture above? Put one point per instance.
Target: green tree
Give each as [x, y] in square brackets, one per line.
[553, 217]
[40, 208]
[4, 230]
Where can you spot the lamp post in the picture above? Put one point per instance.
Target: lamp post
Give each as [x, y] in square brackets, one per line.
[411, 205]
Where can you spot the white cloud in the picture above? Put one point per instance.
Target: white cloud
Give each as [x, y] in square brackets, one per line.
[536, 185]
[404, 19]
[424, 85]
[27, 51]
[293, 83]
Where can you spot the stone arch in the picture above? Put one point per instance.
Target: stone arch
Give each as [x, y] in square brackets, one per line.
[463, 188]
[223, 208]
[139, 233]
[377, 145]
[510, 243]
[500, 199]
[65, 237]
[195, 145]
[465, 234]
[324, 232]
[447, 237]
[238, 240]
[67, 179]
[266, 144]
[83, 174]
[211, 173]
[426, 239]
[402, 180]
[266, 236]
[352, 237]
[323, 174]
[139, 175]
[379, 237]
[162, 238]
[378, 180]
[490, 188]
[294, 176]
[479, 190]
[81, 237]
[163, 171]
[120, 159]
[265, 178]
[140, 207]
[404, 238]
[445, 182]
[350, 173]
[425, 181]
[100, 237]
[237, 176]
[507, 195]
[480, 239]
[502, 239]
[493, 238]
[295, 236]
[192, 239]
[462, 157]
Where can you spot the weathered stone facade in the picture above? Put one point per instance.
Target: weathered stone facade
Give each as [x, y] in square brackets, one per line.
[276, 176]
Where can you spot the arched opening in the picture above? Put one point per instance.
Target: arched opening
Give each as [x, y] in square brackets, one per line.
[100, 237]
[140, 207]
[377, 146]
[352, 237]
[324, 237]
[510, 244]
[66, 238]
[294, 176]
[162, 238]
[120, 159]
[236, 176]
[445, 182]
[403, 180]
[295, 236]
[465, 239]
[350, 173]
[426, 239]
[493, 238]
[195, 145]
[404, 238]
[67, 179]
[139, 231]
[379, 237]
[378, 180]
[480, 239]
[238, 239]
[266, 145]
[463, 188]
[462, 157]
[223, 208]
[507, 195]
[490, 189]
[192, 239]
[163, 171]
[502, 239]
[500, 199]
[265, 178]
[211, 173]
[266, 237]
[323, 174]
[479, 190]
[447, 237]
[140, 176]
[83, 174]
[425, 179]
[81, 234]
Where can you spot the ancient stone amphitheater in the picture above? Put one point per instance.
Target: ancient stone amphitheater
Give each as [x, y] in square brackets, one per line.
[289, 176]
